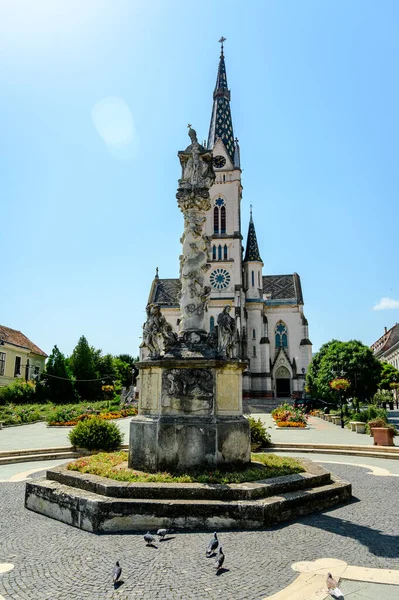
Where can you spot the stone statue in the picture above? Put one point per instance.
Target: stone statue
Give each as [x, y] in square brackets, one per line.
[196, 162]
[158, 335]
[226, 333]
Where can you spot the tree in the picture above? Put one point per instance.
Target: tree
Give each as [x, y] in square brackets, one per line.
[59, 387]
[355, 360]
[389, 375]
[82, 362]
[124, 364]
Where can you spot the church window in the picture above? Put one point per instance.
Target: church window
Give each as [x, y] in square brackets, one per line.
[211, 323]
[223, 219]
[224, 178]
[225, 252]
[258, 279]
[254, 351]
[219, 252]
[253, 334]
[214, 253]
[253, 278]
[281, 334]
[216, 220]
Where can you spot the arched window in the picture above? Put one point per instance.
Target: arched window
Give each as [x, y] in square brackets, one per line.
[253, 334]
[225, 252]
[219, 252]
[211, 323]
[214, 253]
[224, 178]
[223, 219]
[254, 351]
[281, 335]
[258, 279]
[253, 278]
[216, 220]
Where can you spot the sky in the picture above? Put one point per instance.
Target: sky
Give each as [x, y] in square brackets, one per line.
[94, 105]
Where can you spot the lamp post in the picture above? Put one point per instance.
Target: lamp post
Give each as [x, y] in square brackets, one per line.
[336, 372]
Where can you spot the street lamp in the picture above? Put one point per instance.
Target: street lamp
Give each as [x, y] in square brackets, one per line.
[336, 372]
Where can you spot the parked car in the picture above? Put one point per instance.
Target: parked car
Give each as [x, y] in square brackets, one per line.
[309, 404]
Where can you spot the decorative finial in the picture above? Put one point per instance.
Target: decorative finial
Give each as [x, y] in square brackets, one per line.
[189, 125]
[221, 41]
[250, 212]
[236, 140]
[156, 273]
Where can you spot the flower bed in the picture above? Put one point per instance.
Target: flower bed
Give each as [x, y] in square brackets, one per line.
[290, 424]
[288, 416]
[125, 412]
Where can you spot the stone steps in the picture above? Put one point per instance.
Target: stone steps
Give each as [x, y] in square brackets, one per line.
[96, 512]
[14, 459]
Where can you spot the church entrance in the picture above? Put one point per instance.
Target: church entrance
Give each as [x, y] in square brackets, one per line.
[283, 383]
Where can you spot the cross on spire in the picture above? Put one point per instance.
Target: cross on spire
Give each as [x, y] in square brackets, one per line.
[221, 41]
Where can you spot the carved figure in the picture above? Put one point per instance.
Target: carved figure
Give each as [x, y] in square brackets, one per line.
[196, 162]
[226, 333]
[158, 335]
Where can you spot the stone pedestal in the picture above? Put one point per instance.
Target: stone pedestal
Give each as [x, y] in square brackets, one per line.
[190, 415]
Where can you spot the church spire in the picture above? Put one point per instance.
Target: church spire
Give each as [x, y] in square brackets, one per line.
[252, 249]
[221, 123]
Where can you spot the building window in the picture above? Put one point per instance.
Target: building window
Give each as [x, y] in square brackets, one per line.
[2, 363]
[216, 220]
[36, 371]
[211, 323]
[258, 279]
[27, 370]
[17, 368]
[223, 219]
[225, 252]
[281, 334]
[214, 253]
[253, 278]
[220, 252]
[253, 334]
[254, 351]
[224, 178]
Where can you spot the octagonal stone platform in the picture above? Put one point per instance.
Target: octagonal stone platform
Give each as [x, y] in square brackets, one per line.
[98, 504]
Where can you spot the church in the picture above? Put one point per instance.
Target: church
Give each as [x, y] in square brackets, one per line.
[272, 330]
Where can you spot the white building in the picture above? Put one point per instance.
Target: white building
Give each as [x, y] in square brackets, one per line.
[386, 348]
[272, 328]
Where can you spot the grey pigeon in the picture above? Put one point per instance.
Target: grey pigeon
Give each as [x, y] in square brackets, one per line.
[117, 573]
[332, 587]
[149, 538]
[220, 559]
[213, 544]
[163, 532]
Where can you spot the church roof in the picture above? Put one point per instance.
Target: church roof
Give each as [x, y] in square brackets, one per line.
[283, 287]
[221, 122]
[252, 248]
[166, 292]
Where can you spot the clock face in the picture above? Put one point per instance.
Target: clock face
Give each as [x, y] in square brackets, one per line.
[220, 279]
[219, 161]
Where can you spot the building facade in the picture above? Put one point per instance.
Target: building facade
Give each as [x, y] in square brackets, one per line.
[272, 331]
[386, 348]
[19, 357]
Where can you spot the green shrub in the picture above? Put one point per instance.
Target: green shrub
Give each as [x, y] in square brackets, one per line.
[259, 436]
[96, 434]
[19, 392]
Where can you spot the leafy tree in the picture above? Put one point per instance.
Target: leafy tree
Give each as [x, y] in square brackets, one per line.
[389, 374]
[124, 364]
[357, 363]
[58, 386]
[313, 369]
[82, 362]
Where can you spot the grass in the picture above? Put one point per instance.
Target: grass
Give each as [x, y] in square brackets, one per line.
[113, 465]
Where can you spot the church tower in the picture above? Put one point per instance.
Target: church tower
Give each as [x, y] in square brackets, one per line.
[223, 223]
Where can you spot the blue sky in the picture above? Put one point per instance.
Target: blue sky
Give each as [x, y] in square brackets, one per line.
[95, 99]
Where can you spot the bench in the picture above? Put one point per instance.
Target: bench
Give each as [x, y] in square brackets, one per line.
[328, 418]
[358, 426]
[336, 419]
[1, 424]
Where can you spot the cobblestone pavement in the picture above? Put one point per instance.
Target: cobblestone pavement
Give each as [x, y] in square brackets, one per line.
[56, 562]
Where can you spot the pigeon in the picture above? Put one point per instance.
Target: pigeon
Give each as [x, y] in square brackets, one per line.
[163, 532]
[213, 544]
[333, 588]
[220, 559]
[149, 538]
[117, 573]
